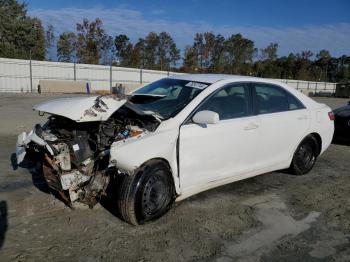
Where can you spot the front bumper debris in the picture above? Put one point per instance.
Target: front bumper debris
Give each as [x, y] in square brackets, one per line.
[24, 139]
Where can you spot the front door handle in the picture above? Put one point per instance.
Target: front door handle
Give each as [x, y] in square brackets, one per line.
[251, 126]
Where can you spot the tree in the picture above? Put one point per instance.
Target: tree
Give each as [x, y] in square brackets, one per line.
[198, 47]
[270, 52]
[66, 47]
[217, 55]
[322, 63]
[107, 51]
[92, 41]
[138, 53]
[174, 55]
[208, 49]
[268, 66]
[190, 63]
[168, 53]
[124, 50]
[49, 40]
[239, 52]
[288, 66]
[20, 35]
[151, 50]
[303, 65]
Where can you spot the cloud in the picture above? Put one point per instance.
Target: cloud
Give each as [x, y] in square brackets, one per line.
[135, 24]
[158, 12]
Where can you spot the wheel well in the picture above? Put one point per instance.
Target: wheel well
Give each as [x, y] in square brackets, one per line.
[155, 160]
[319, 141]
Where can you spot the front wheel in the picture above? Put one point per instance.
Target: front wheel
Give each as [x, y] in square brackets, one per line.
[305, 156]
[146, 195]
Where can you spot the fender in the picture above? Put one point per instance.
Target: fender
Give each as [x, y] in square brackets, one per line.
[130, 154]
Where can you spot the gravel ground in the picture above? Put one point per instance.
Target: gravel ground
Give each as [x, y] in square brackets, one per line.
[272, 217]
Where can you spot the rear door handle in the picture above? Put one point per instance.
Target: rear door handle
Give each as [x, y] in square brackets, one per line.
[251, 126]
[304, 117]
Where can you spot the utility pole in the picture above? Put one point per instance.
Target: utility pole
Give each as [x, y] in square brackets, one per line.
[30, 70]
[111, 78]
[75, 71]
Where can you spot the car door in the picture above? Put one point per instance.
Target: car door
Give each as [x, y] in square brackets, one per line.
[342, 125]
[284, 121]
[217, 151]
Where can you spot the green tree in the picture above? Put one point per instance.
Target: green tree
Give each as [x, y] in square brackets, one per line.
[190, 62]
[208, 49]
[107, 51]
[168, 53]
[124, 50]
[49, 40]
[239, 54]
[92, 41]
[268, 66]
[66, 47]
[304, 66]
[270, 52]
[217, 55]
[20, 34]
[150, 52]
[322, 64]
[198, 47]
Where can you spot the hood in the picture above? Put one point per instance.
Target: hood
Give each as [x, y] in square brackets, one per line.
[83, 109]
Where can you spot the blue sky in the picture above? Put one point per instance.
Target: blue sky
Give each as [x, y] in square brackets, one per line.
[296, 25]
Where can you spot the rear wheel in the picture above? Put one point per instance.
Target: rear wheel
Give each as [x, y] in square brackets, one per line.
[146, 195]
[305, 156]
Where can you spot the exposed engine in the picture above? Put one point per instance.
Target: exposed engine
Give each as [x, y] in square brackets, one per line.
[76, 155]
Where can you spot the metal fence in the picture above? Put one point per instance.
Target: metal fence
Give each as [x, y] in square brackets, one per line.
[24, 75]
[310, 87]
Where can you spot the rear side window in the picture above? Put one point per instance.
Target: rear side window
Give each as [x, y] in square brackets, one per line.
[273, 99]
[294, 103]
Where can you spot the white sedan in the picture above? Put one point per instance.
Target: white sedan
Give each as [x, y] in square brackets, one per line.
[174, 138]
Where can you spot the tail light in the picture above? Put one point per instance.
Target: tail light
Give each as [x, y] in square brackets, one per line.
[331, 116]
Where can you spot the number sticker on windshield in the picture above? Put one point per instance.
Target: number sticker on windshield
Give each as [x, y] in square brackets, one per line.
[196, 85]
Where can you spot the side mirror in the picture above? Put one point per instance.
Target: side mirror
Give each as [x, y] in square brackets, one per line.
[206, 117]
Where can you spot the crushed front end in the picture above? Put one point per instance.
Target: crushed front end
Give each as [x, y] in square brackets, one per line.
[75, 155]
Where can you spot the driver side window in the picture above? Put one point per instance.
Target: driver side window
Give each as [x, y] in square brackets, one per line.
[229, 102]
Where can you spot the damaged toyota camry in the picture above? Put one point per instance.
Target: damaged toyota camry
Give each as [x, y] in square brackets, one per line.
[174, 138]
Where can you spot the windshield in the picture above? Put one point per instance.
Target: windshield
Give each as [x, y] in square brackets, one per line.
[166, 97]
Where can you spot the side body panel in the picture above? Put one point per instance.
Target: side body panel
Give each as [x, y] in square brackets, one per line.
[279, 134]
[218, 151]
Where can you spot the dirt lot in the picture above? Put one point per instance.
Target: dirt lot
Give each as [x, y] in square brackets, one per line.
[272, 217]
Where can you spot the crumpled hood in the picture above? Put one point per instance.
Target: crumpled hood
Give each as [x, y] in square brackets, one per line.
[83, 109]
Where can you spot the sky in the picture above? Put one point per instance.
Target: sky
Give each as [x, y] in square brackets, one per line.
[296, 25]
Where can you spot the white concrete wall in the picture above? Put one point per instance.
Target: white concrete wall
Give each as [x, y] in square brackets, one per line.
[15, 76]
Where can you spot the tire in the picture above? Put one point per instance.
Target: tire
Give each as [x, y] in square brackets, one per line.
[146, 195]
[305, 156]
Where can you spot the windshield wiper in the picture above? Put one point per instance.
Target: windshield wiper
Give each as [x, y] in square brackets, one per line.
[144, 98]
[153, 95]
[139, 111]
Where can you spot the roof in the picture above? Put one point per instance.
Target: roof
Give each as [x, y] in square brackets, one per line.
[212, 78]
